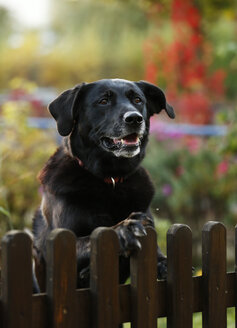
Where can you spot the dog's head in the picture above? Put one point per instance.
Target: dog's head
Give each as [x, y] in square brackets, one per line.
[111, 116]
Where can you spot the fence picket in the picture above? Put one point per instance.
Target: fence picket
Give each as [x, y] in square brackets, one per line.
[235, 276]
[61, 278]
[214, 275]
[104, 278]
[179, 280]
[143, 267]
[17, 280]
[106, 304]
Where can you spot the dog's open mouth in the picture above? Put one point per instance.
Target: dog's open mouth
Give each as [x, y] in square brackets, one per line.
[130, 140]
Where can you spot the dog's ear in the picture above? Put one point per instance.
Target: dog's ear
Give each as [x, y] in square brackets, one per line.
[156, 100]
[62, 109]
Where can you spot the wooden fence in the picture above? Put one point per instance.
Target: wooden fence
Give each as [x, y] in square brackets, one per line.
[106, 304]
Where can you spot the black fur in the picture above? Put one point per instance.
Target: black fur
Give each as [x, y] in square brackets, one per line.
[105, 125]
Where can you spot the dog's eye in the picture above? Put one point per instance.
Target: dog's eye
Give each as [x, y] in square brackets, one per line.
[137, 100]
[103, 101]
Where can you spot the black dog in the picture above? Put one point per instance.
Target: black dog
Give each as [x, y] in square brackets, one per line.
[95, 178]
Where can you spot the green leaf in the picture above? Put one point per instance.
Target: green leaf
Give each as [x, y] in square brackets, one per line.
[5, 212]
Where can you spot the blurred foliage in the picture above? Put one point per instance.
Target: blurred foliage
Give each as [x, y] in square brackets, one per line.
[223, 39]
[195, 57]
[105, 39]
[180, 177]
[89, 40]
[213, 9]
[23, 151]
[5, 24]
[98, 40]
[228, 145]
[195, 178]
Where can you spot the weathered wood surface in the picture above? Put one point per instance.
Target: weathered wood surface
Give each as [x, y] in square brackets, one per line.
[179, 280]
[104, 278]
[106, 304]
[143, 267]
[235, 283]
[16, 280]
[61, 279]
[214, 275]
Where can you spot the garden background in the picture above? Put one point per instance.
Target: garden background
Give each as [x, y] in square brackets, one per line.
[189, 48]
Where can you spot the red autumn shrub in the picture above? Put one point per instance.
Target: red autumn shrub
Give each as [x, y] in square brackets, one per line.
[182, 65]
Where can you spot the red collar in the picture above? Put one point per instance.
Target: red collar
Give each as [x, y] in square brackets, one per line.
[108, 180]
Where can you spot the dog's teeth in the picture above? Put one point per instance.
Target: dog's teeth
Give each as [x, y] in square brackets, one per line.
[124, 141]
[116, 141]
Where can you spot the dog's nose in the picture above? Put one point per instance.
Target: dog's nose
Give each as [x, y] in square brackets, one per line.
[133, 118]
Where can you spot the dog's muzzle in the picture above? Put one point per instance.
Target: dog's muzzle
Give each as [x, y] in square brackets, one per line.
[127, 144]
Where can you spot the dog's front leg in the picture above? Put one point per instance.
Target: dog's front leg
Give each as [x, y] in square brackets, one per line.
[162, 264]
[133, 227]
[161, 258]
[127, 231]
[83, 249]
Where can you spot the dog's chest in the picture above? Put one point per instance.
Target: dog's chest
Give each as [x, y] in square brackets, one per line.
[117, 202]
[127, 199]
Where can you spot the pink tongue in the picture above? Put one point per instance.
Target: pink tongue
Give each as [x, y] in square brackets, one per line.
[127, 140]
[130, 139]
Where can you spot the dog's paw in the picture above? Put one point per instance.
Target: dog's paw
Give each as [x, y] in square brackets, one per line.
[83, 277]
[162, 269]
[130, 229]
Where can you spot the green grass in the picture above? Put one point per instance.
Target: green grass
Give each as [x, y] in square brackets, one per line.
[197, 320]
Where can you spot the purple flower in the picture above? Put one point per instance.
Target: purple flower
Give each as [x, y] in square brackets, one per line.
[166, 189]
